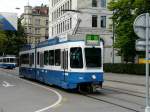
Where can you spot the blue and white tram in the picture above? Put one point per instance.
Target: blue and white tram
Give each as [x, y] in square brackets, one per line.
[69, 64]
[8, 61]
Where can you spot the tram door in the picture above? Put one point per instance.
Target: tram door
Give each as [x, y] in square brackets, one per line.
[64, 64]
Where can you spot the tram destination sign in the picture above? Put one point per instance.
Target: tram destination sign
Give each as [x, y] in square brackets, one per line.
[93, 40]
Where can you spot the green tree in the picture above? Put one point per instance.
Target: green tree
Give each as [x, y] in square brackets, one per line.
[125, 12]
[125, 38]
[3, 40]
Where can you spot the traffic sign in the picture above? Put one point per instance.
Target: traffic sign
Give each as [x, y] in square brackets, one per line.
[140, 48]
[140, 26]
[141, 42]
[142, 29]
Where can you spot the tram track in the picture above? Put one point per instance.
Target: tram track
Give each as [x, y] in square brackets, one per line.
[106, 96]
[123, 82]
[109, 102]
[124, 91]
[112, 102]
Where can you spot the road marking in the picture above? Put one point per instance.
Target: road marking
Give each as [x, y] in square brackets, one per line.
[54, 91]
[6, 84]
[57, 93]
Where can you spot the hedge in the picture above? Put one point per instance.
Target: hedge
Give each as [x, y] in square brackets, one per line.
[138, 69]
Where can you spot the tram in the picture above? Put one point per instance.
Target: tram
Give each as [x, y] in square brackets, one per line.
[8, 61]
[69, 64]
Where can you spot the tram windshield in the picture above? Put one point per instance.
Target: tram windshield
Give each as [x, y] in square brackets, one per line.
[76, 60]
[93, 57]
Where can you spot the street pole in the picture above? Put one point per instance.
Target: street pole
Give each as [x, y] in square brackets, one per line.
[113, 39]
[147, 109]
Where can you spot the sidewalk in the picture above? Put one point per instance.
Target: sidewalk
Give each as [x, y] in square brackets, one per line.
[126, 78]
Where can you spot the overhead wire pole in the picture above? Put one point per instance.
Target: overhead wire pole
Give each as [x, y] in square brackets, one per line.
[113, 37]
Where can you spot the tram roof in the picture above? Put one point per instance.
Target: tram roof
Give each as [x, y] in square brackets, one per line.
[53, 41]
[8, 56]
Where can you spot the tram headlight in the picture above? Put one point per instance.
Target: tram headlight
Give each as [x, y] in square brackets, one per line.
[93, 76]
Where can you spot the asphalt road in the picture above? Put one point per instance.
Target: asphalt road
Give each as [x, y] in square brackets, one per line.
[18, 95]
[21, 95]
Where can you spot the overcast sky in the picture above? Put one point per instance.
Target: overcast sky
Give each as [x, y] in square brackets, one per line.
[10, 5]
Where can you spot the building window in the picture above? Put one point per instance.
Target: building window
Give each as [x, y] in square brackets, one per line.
[103, 3]
[94, 3]
[29, 21]
[37, 30]
[94, 21]
[37, 21]
[103, 21]
[30, 30]
[25, 29]
[46, 22]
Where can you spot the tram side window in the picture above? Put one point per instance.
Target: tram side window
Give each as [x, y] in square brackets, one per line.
[4, 60]
[46, 58]
[7, 60]
[57, 57]
[41, 59]
[51, 57]
[76, 60]
[25, 59]
[38, 55]
[12, 60]
[31, 59]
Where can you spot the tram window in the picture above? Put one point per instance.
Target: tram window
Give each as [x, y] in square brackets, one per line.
[93, 57]
[76, 60]
[25, 59]
[64, 60]
[4, 60]
[31, 59]
[7, 60]
[12, 60]
[41, 59]
[38, 55]
[51, 57]
[57, 57]
[46, 58]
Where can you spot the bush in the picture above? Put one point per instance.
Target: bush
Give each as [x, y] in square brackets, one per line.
[138, 69]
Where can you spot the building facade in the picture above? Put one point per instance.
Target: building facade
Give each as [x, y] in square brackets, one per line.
[36, 23]
[76, 18]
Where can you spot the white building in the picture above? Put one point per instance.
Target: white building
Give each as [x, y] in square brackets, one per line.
[76, 18]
